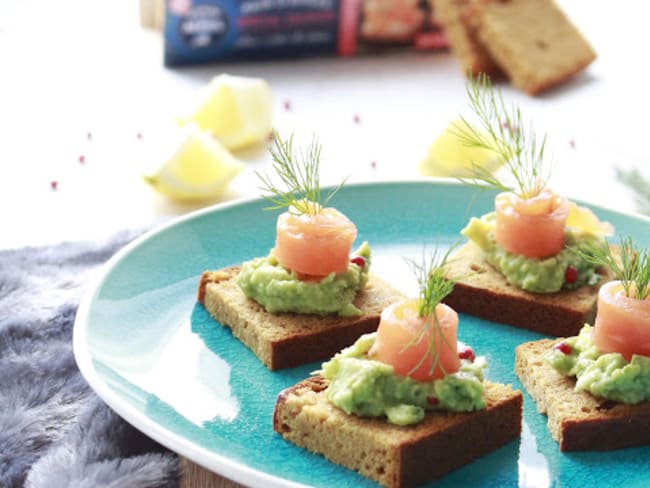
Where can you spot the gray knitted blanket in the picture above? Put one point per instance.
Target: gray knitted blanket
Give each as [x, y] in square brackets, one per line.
[54, 431]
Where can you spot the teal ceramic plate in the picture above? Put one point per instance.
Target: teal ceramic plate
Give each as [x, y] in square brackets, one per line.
[157, 358]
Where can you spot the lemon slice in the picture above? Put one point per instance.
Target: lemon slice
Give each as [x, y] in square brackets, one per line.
[448, 156]
[235, 109]
[200, 168]
[583, 219]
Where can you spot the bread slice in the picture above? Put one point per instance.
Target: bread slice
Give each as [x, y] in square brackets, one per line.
[395, 456]
[533, 41]
[455, 16]
[285, 340]
[484, 292]
[578, 420]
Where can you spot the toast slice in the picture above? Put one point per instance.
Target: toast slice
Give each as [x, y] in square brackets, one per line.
[578, 420]
[394, 456]
[456, 19]
[532, 41]
[484, 292]
[286, 340]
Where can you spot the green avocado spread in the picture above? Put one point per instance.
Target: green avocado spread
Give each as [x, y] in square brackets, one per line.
[366, 387]
[545, 275]
[608, 375]
[278, 289]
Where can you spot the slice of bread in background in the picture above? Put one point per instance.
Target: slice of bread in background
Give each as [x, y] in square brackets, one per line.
[285, 340]
[578, 420]
[484, 292]
[456, 19]
[395, 456]
[533, 41]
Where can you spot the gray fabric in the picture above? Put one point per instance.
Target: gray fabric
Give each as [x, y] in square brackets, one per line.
[54, 431]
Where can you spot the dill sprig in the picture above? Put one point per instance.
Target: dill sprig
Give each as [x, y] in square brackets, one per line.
[433, 286]
[503, 131]
[639, 184]
[631, 266]
[299, 171]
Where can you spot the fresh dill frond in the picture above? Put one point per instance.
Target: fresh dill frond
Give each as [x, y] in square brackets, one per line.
[631, 266]
[299, 172]
[639, 184]
[433, 287]
[502, 130]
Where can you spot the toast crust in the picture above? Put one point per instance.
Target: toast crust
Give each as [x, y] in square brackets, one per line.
[484, 292]
[577, 420]
[394, 456]
[534, 42]
[456, 19]
[285, 340]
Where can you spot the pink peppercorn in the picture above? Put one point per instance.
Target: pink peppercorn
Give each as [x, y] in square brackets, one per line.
[467, 353]
[433, 401]
[571, 275]
[563, 347]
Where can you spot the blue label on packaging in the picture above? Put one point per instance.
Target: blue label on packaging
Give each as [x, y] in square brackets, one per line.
[199, 31]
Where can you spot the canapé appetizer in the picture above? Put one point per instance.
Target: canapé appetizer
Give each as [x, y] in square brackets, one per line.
[520, 265]
[595, 387]
[406, 404]
[311, 295]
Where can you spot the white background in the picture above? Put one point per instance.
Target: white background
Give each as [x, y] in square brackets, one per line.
[76, 67]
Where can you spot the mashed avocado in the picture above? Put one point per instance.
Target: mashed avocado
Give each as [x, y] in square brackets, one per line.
[545, 275]
[362, 386]
[603, 375]
[279, 289]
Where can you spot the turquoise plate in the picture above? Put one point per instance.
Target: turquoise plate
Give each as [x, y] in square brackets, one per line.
[157, 358]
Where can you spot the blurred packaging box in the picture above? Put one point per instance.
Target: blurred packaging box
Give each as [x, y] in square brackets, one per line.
[205, 31]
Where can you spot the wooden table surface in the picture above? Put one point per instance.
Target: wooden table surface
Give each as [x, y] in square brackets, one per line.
[195, 476]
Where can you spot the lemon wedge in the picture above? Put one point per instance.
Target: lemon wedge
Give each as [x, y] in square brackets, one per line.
[448, 156]
[237, 110]
[583, 219]
[200, 168]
